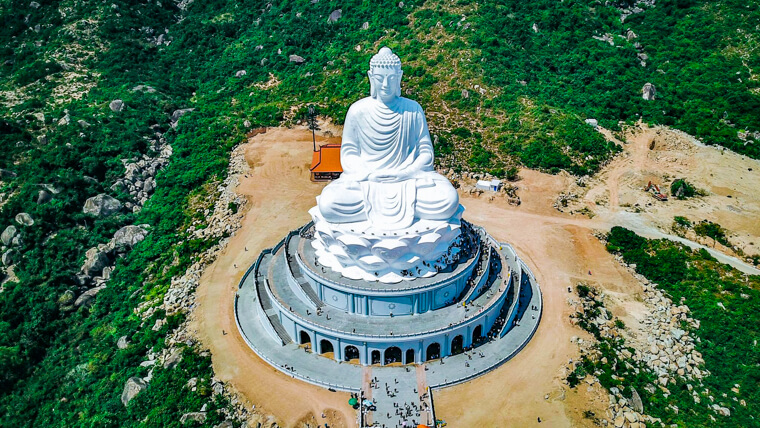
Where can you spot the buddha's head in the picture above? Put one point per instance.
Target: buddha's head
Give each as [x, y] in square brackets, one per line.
[385, 76]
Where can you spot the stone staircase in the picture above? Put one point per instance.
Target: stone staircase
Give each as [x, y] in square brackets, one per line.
[271, 313]
[295, 270]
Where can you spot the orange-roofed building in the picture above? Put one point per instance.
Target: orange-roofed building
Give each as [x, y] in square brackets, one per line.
[325, 163]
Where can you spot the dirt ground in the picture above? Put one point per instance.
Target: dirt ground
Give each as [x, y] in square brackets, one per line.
[280, 194]
[558, 246]
[661, 155]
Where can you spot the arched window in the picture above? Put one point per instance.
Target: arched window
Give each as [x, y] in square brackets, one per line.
[392, 355]
[433, 351]
[304, 338]
[457, 345]
[477, 334]
[409, 356]
[325, 346]
[351, 353]
[375, 357]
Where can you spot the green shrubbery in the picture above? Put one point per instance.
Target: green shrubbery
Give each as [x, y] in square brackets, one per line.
[712, 230]
[682, 189]
[727, 304]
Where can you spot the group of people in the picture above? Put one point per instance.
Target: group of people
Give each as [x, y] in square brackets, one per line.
[408, 412]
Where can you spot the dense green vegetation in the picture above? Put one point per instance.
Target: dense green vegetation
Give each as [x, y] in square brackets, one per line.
[527, 95]
[727, 304]
[702, 58]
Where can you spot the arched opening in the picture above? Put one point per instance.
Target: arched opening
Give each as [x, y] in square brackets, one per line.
[325, 347]
[304, 338]
[392, 355]
[409, 356]
[433, 351]
[457, 345]
[477, 334]
[351, 353]
[375, 357]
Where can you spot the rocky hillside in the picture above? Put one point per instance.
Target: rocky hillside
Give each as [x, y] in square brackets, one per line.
[118, 120]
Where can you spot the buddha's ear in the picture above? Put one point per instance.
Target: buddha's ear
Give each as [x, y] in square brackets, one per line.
[372, 90]
[398, 88]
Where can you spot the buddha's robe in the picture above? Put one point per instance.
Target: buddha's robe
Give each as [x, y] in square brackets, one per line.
[394, 141]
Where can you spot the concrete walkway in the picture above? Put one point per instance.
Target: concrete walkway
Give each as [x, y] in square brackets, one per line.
[636, 223]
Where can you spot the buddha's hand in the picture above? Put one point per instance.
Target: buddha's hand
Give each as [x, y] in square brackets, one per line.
[389, 176]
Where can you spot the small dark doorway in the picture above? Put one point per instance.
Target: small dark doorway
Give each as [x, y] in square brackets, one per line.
[457, 345]
[325, 346]
[433, 351]
[375, 357]
[409, 356]
[351, 353]
[477, 334]
[304, 338]
[393, 355]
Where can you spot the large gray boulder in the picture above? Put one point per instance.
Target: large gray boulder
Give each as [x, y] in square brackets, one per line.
[86, 297]
[335, 15]
[134, 386]
[122, 343]
[149, 185]
[636, 402]
[199, 417]
[116, 105]
[51, 188]
[648, 92]
[24, 219]
[128, 236]
[174, 357]
[101, 205]
[176, 114]
[43, 196]
[8, 234]
[7, 257]
[296, 59]
[95, 261]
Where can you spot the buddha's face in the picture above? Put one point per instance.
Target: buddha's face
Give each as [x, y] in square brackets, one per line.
[385, 83]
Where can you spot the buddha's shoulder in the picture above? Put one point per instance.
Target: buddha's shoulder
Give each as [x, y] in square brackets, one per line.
[410, 104]
[369, 103]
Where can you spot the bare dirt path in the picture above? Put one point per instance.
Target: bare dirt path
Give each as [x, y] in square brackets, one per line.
[280, 194]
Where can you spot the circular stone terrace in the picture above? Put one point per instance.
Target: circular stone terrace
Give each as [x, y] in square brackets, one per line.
[293, 330]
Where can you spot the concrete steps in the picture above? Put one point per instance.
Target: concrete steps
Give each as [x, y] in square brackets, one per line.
[271, 313]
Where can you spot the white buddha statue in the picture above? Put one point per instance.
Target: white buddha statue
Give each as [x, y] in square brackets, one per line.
[390, 217]
[387, 158]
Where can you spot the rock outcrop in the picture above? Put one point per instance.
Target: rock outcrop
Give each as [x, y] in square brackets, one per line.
[116, 105]
[648, 92]
[8, 234]
[43, 197]
[102, 205]
[95, 260]
[24, 219]
[128, 236]
[199, 417]
[86, 297]
[132, 387]
[335, 15]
